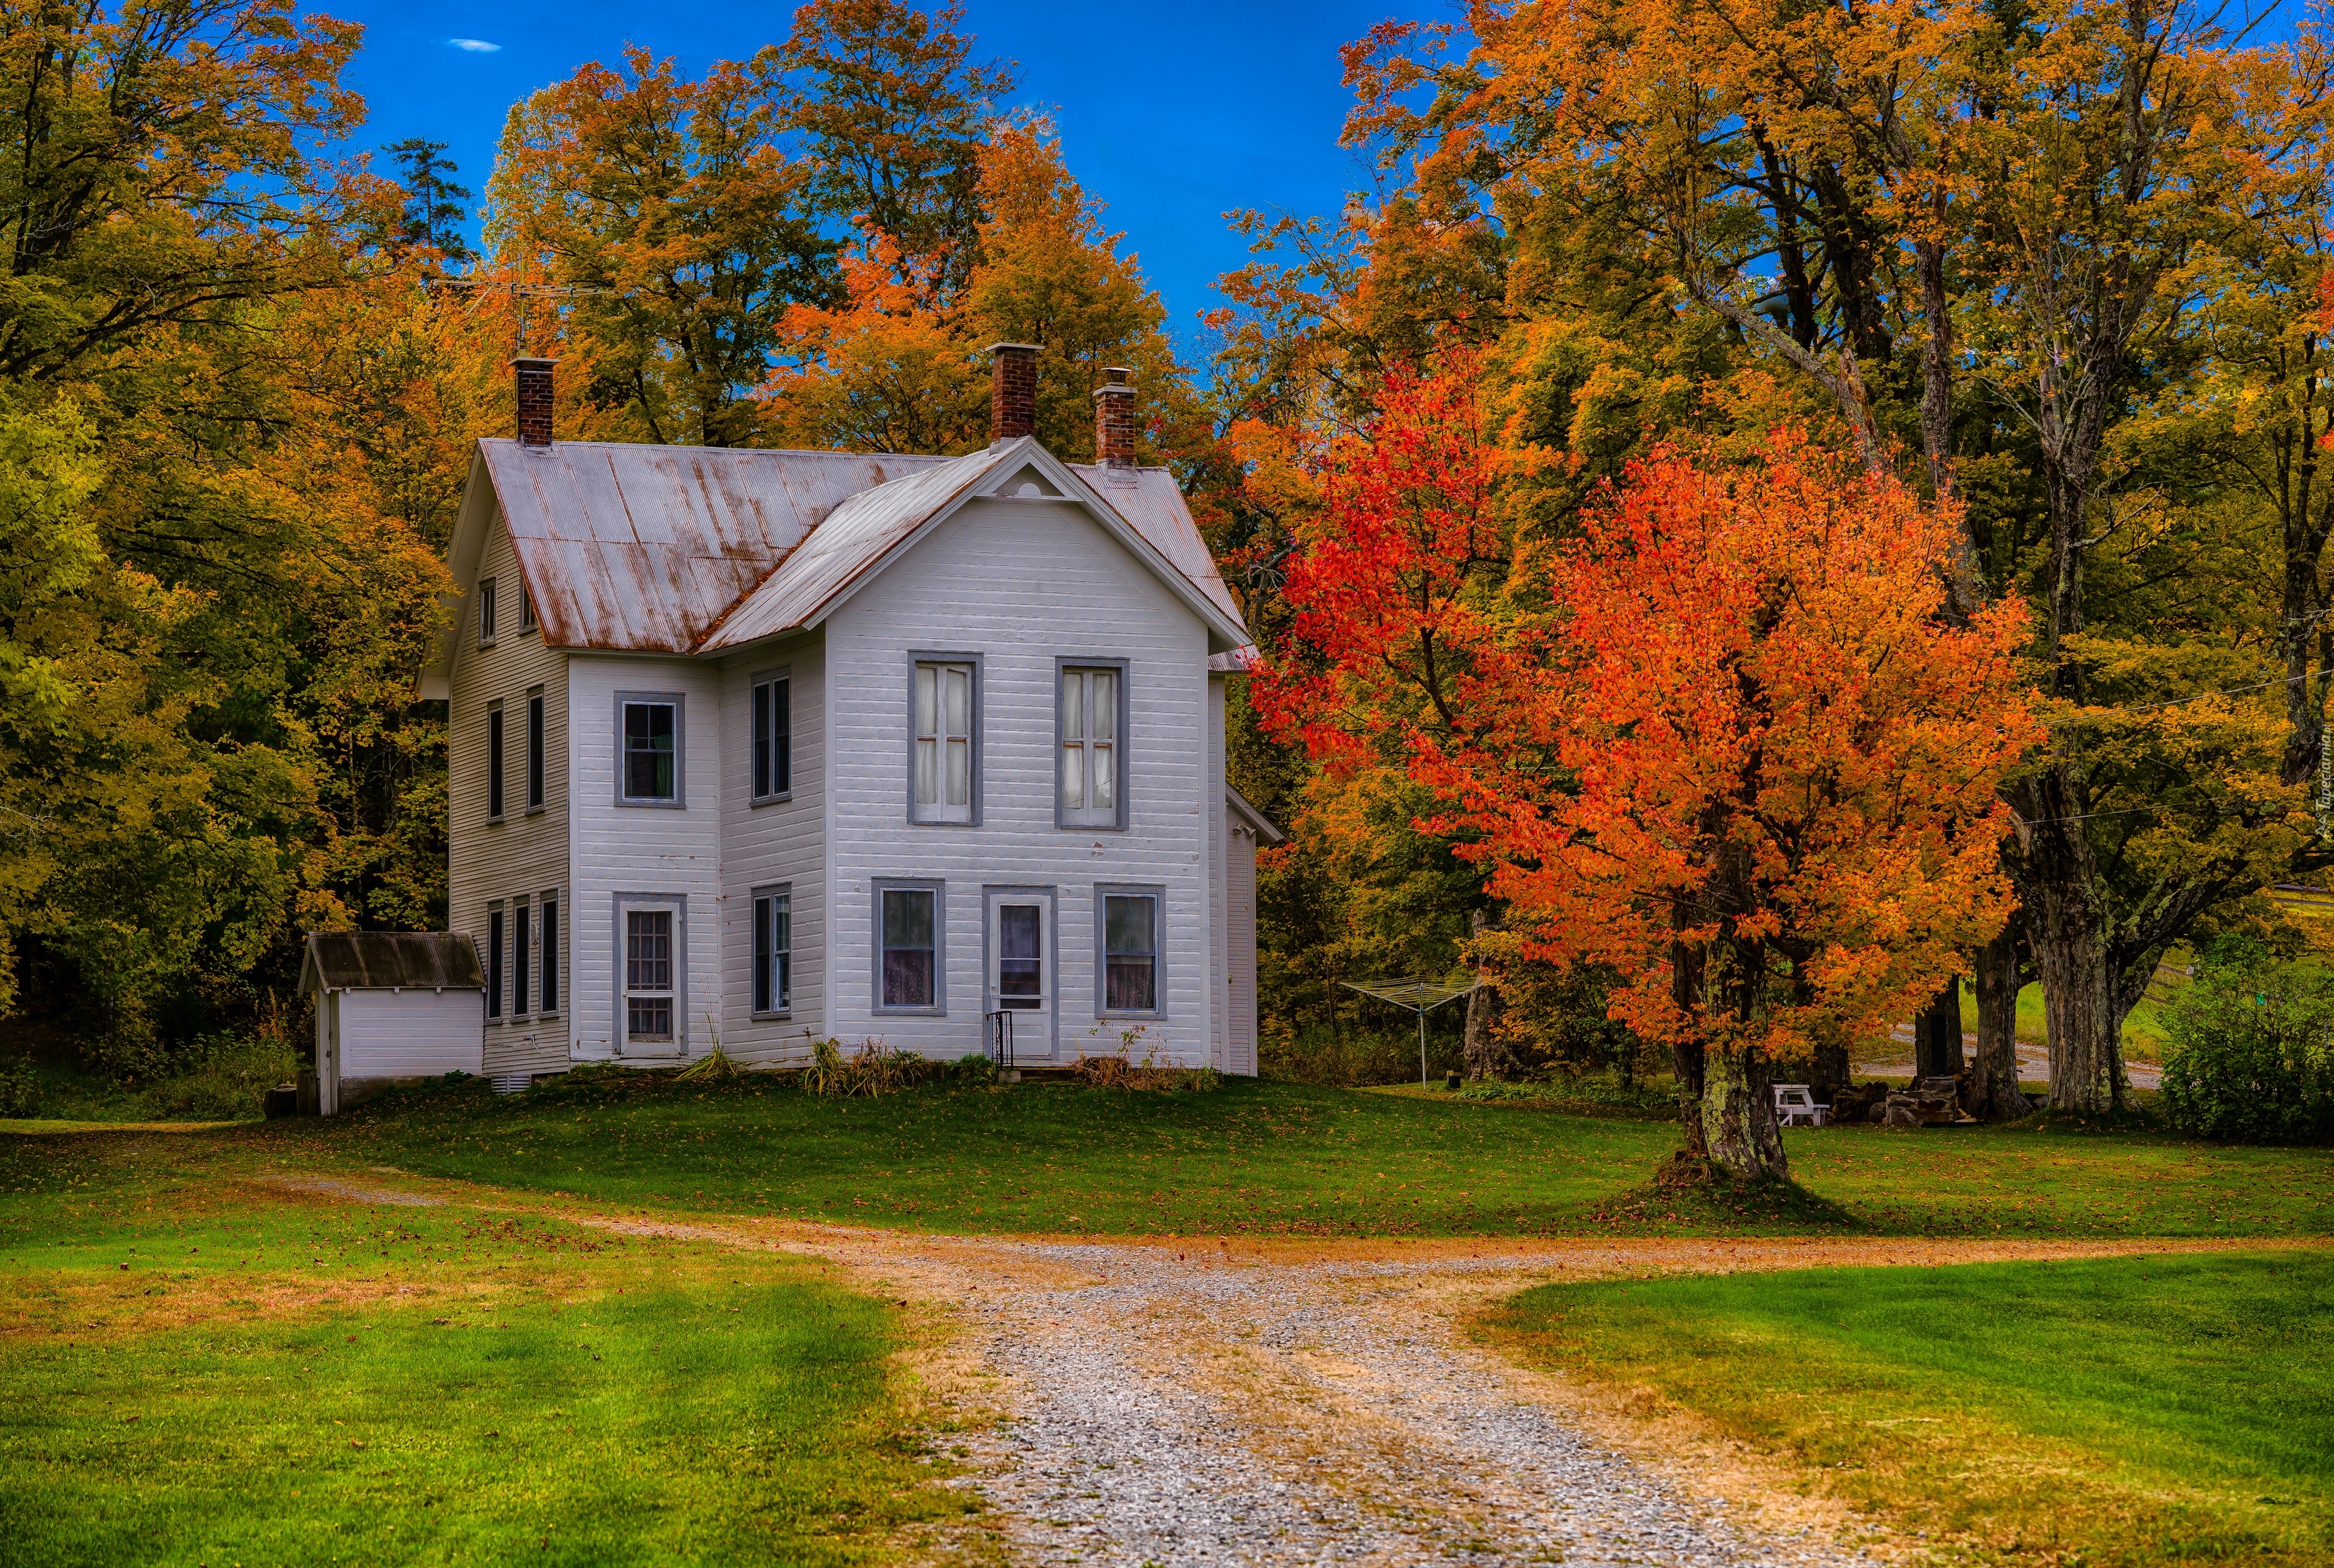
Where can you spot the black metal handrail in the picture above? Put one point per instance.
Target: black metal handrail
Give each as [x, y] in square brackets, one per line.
[1000, 1039]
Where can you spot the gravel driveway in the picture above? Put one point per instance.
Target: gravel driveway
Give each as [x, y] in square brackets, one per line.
[1175, 1410]
[1134, 1403]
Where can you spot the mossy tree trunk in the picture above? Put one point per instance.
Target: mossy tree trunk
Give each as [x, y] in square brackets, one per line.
[1738, 1116]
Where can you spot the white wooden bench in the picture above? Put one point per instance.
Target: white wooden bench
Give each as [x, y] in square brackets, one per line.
[1795, 1106]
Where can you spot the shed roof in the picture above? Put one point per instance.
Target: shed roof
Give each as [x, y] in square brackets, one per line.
[383, 960]
[666, 549]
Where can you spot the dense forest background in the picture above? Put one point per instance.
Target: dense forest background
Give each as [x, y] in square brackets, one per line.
[2058, 268]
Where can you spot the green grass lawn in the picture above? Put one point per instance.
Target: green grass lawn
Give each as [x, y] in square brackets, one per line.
[1262, 1159]
[194, 1369]
[196, 1364]
[2126, 1412]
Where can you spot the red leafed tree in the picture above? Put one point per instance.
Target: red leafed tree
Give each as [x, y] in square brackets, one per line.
[1725, 739]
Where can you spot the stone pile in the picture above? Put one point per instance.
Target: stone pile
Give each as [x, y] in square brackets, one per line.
[1932, 1102]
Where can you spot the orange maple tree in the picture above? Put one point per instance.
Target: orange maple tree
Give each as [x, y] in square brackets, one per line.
[1726, 739]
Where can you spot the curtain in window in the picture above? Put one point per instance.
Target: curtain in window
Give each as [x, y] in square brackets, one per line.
[1090, 743]
[773, 952]
[944, 736]
[1131, 953]
[908, 947]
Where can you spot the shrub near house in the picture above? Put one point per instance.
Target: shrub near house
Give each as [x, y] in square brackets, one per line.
[2251, 1052]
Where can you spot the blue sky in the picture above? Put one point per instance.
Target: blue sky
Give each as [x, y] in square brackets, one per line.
[1170, 114]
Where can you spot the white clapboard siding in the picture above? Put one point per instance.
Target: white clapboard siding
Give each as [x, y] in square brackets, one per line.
[1021, 583]
[409, 1034]
[525, 855]
[660, 850]
[1218, 950]
[1240, 930]
[778, 841]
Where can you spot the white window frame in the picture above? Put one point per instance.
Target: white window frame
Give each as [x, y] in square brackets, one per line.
[486, 613]
[773, 904]
[1104, 893]
[940, 814]
[621, 1024]
[939, 891]
[678, 702]
[1112, 819]
[527, 621]
[779, 684]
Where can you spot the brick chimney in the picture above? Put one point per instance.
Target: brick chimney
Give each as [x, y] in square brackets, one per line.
[533, 401]
[1113, 403]
[1012, 391]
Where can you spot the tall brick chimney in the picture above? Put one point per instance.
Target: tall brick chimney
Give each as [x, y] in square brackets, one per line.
[1012, 391]
[1113, 403]
[533, 401]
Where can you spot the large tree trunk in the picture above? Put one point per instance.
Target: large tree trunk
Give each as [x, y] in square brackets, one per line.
[1487, 1056]
[1994, 1094]
[2066, 927]
[1738, 1116]
[1937, 1034]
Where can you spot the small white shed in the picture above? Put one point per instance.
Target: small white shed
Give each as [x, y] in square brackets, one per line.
[391, 1008]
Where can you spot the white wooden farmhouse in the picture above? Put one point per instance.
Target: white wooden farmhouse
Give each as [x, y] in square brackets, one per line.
[763, 747]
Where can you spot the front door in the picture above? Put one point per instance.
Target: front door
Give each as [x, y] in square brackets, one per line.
[1021, 979]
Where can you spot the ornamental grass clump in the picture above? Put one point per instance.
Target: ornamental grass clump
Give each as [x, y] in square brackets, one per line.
[877, 1067]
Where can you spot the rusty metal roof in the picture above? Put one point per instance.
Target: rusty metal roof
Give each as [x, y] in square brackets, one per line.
[633, 546]
[840, 550]
[862, 533]
[382, 960]
[1150, 499]
[696, 550]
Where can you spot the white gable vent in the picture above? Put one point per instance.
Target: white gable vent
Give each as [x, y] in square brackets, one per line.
[1028, 484]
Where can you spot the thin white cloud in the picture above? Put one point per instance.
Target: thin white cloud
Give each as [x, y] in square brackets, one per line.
[474, 46]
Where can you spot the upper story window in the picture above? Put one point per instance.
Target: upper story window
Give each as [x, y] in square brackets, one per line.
[649, 742]
[945, 703]
[1089, 722]
[486, 613]
[535, 750]
[525, 608]
[773, 758]
[493, 762]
